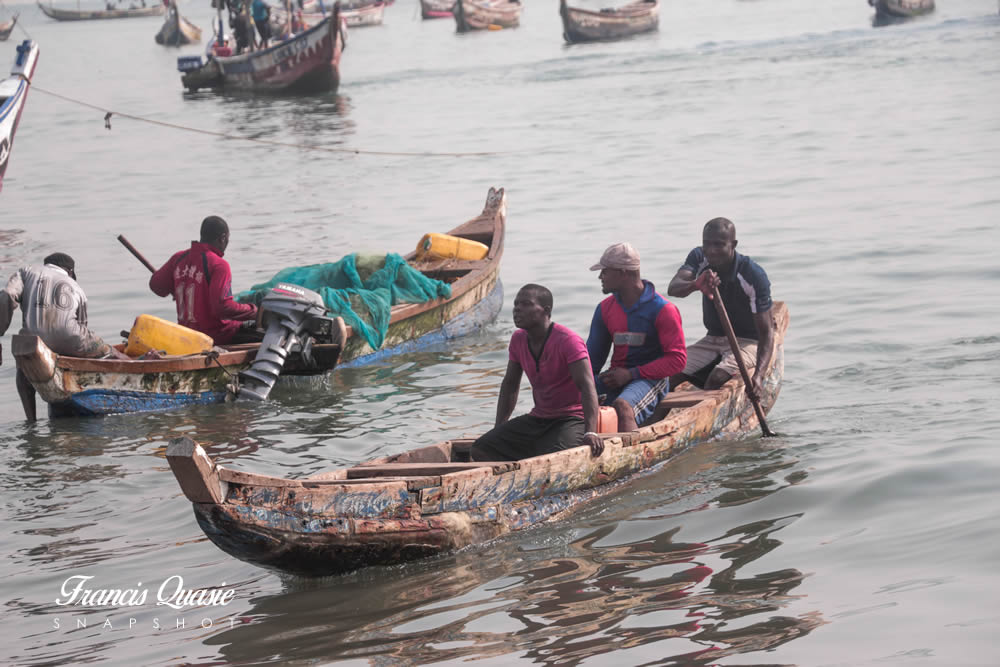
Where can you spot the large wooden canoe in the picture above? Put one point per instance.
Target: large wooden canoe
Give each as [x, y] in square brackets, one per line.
[13, 94]
[430, 500]
[177, 30]
[901, 8]
[308, 62]
[154, 9]
[78, 386]
[584, 25]
[6, 27]
[486, 14]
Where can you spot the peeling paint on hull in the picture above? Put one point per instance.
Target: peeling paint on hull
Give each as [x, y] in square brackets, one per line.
[337, 522]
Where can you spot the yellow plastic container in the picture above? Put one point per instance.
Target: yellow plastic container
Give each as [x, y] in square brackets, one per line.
[443, 246]
[153, 333]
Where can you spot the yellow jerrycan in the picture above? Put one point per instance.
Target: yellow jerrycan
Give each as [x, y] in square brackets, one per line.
[444, 246]
[153, 333]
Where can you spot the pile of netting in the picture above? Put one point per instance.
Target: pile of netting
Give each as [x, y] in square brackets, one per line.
[360, 288]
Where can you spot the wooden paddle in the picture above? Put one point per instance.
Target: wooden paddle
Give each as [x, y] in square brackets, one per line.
[138, 255]
[720, 308]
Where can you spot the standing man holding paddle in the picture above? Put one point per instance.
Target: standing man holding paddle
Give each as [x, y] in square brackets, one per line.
[200, 281]
[746, 294]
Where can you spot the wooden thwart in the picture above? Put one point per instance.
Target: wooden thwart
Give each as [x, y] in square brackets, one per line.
[416, 469]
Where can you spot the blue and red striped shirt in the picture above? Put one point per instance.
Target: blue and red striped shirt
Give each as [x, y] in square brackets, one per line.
[648, 338]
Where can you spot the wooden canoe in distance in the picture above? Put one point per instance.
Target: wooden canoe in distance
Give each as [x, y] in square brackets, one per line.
[75, 386]
[154, 9]
[901, 8]
[308, 62]
[13, 94]
[486, 14]
[436, 9]
[430, 500]
[355, 16]
[584, 25]
[177, 30]
[7, 27]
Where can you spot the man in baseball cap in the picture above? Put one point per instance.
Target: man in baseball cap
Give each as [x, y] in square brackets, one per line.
[643, 332]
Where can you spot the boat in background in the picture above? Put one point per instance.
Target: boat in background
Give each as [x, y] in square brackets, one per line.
[436, 9]
[83, 387]
[7, 27]
[901, 9]
[584, 25]
[308, 62]
[486, 14]
[156, 9]
[13, 93]
[177, 30]
[427, 501]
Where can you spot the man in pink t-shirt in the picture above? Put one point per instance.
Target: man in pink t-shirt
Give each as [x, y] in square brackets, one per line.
[558, 368]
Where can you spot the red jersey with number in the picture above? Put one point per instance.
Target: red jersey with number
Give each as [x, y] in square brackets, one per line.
[201, 284]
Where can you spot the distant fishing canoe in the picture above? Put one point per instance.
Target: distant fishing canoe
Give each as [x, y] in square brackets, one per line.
[431, 500]
[156, 9]
[7, 27]
[583, 25]
[76, 386]
[308, 62]
[364, 15]
[901, 8]
[13, 94]
[436, 9]
[177, 30]
[486, 14]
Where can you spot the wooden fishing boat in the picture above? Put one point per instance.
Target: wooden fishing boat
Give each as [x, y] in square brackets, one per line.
[76, 386]
[13, 93]
[431, 500]
[155, 9]
[901, 8]
[356, 16]
[583, 25]
[486, 14]
[177, 30]
[364, 15]
[308, 62]
[7, 27]
[436, 9]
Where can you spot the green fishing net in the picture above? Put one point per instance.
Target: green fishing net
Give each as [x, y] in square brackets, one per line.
[360, 288]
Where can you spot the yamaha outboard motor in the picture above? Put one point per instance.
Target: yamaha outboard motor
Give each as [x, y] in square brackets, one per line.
[293, 317]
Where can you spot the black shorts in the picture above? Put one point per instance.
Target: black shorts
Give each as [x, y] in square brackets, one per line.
[527, 436]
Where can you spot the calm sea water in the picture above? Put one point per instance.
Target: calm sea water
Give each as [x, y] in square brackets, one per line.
[860, 166]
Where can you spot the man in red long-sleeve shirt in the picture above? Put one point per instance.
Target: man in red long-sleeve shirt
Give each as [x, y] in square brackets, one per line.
[201, 284]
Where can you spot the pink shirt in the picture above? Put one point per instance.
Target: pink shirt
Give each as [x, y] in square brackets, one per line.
[552, 386]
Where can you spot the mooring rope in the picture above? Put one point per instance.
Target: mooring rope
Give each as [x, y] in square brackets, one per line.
[269, 142]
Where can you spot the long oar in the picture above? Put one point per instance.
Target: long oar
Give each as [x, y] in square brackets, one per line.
[720, 308]
[138, 255]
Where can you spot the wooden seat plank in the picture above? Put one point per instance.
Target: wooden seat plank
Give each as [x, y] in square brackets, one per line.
[415, 469]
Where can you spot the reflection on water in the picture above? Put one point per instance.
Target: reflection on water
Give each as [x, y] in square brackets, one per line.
[559, 603]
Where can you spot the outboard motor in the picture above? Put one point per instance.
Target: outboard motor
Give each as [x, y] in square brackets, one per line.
[293, 317]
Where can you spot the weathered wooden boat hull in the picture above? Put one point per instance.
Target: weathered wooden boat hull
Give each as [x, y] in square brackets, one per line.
[374, 514]
[901, 8]
[581, 25]
[7, 27]
[363, 16]
[177, 30]
[307, 63]
[85, 387]
[436, 9]
[13, 94]
[472, 15]
[156, 9]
